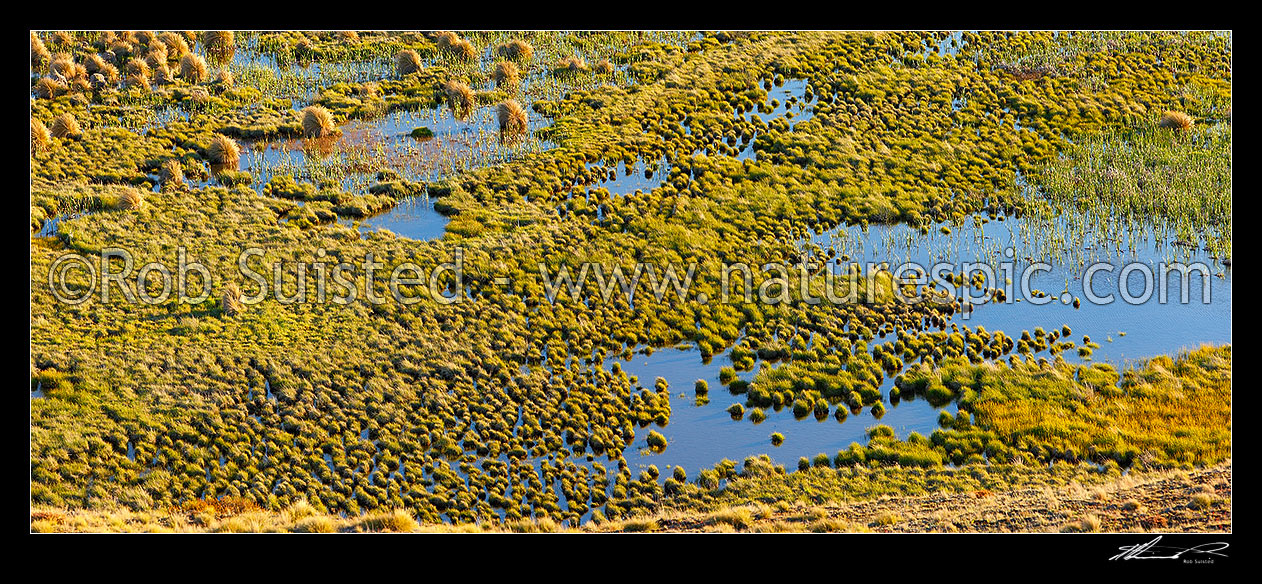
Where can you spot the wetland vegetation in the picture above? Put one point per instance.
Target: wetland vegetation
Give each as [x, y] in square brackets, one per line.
[511, 411]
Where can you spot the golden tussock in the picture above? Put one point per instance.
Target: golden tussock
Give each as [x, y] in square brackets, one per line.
[1176, 121]
[193, 68]
[223, 150]
[176, 46]
[171, 172]
[39, 137]
[39, 52]
[48, 88]
[512, 119]
[515, 50]
[232, 304]
[460, 98]
[506, 75]
[407, 61]
[65, 126]
[219, 44]
[138, 67]
[131, 200]
[317, 122]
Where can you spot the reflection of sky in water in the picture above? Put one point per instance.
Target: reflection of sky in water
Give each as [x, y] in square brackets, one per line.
[412, 218]
[698, 437]
[1151, 328]
[801, 110]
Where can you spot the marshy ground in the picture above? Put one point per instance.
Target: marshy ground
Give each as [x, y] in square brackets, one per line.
[511, 411]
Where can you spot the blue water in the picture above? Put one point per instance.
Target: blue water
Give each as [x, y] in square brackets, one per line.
[1151, 327]
[699, 436]
[411, 218]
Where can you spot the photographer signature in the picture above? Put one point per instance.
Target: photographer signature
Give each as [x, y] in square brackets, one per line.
[1152, 551]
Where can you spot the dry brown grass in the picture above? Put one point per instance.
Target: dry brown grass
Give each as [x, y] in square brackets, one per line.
[193, 68]
[176, 46]
[171, 173]
[157, 55]
[136, 66]
[231, 301]
[131, 200]
[406, 62]
[460, 98]
[317, 122]
[39, 52]
[572, 65]
[65, 126]
[512, 119]
[464, 50]
[1176, 121]
[49, 88]
[220, 44]
[224, 150]
[445, 40]
[515, 50]
[506, 76]
[39, 137]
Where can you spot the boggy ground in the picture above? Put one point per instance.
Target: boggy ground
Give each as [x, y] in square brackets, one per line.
[393, 413]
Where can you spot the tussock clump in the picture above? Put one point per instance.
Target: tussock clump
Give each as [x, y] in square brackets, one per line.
[193, 68]
[199, 95]
[398, 521]
[316, 524]
[223, 150]
[162, 74]
[506, 75]
[464, 50]
[63, 65]
[109, 74]
[49, 88]
[131, 200]
[512, 119]
[219, 44]
[65, 126]
[446, 40]
[171, 172]
[604, 67]
[1088, 524]
[407, 62]
[157, 55]
[138, 80]
[138, 67]
[348, 36]
[1176, 121]
[515, 50]
[94, 63]
[176, 46]
[572, 65]
[460, 98]
[231, 301]
[39, 52]
[225, 80]
[39, 136]
[317, 122]
[121, 50]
